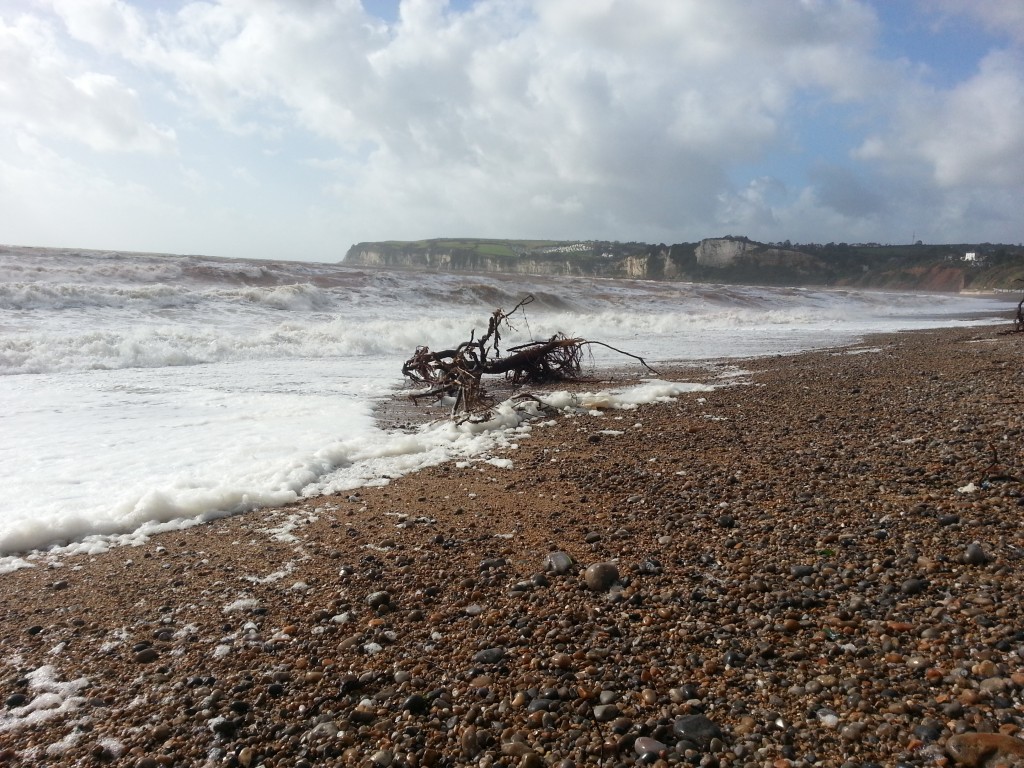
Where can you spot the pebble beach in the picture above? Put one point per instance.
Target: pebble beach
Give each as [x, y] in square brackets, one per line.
[815, 563]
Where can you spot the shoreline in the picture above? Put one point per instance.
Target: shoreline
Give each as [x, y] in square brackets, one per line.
[798, 583]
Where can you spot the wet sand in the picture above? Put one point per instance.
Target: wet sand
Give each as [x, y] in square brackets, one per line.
[818, 563]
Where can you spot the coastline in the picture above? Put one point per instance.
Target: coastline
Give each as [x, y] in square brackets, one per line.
[820, 565]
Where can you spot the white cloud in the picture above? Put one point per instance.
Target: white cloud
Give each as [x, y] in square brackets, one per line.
[48, 94]
[1003, 17]
[107, 25]
[968, 136]
[551, 118]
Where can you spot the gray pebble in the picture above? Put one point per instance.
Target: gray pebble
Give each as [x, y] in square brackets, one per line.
[975, 554]
[489, 656]
[557, 562]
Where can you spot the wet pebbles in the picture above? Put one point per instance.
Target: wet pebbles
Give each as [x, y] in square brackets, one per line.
[819, 567]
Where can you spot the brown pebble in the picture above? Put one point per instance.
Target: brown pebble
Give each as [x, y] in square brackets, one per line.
[978, 749]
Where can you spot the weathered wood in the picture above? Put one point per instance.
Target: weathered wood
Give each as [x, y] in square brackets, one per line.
[458, 372]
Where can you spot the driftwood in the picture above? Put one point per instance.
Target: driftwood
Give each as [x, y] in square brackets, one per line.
[458, 372]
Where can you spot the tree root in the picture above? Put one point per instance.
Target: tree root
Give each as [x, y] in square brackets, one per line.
[458, 372]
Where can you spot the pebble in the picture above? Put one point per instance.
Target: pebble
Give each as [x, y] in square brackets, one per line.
[791, 635]
[913, 586]
[975, 750]
[600, 577]
[975, 554]
[646, 747]
[489, 655]
[558, 562]
[604, 713]
[698, 729]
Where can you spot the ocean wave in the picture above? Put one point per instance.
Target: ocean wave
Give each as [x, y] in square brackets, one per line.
[26, 296]
[166, 345]
[43, 296]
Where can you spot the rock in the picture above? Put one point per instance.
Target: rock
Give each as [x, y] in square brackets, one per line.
[516, 748]
[697, 729]
[648, 748]
[416, 703]
[980, 749]
[557, 562]
[650, 567]
[600, 577]
[975, 554]
[382, 758]
[224, 726]
[604, 713]
[928, 731]
[379, 598]
[325, 731]
[539, 705]
[469, 743]
[146, 656]
[489, 655]
[913, 586]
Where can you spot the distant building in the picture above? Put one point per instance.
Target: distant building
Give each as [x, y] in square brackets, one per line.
[971, 256]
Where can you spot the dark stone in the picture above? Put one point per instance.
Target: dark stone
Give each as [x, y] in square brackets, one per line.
[697, 729]
[489, 656]
[928, 731]
[913, 586]
[416, 703]
[224, 726]
[733, 658]
[540, 705]
[975, 555]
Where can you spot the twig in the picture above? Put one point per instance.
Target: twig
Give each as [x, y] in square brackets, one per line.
[627, 354]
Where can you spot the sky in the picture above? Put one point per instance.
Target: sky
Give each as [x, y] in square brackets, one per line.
[293, 129]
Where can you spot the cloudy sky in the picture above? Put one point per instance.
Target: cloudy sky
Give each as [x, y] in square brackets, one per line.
[294, 128]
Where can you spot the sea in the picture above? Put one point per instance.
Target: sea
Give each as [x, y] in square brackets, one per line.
[147, 392]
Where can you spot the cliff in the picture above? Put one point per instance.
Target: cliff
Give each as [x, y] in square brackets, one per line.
[736, 260]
